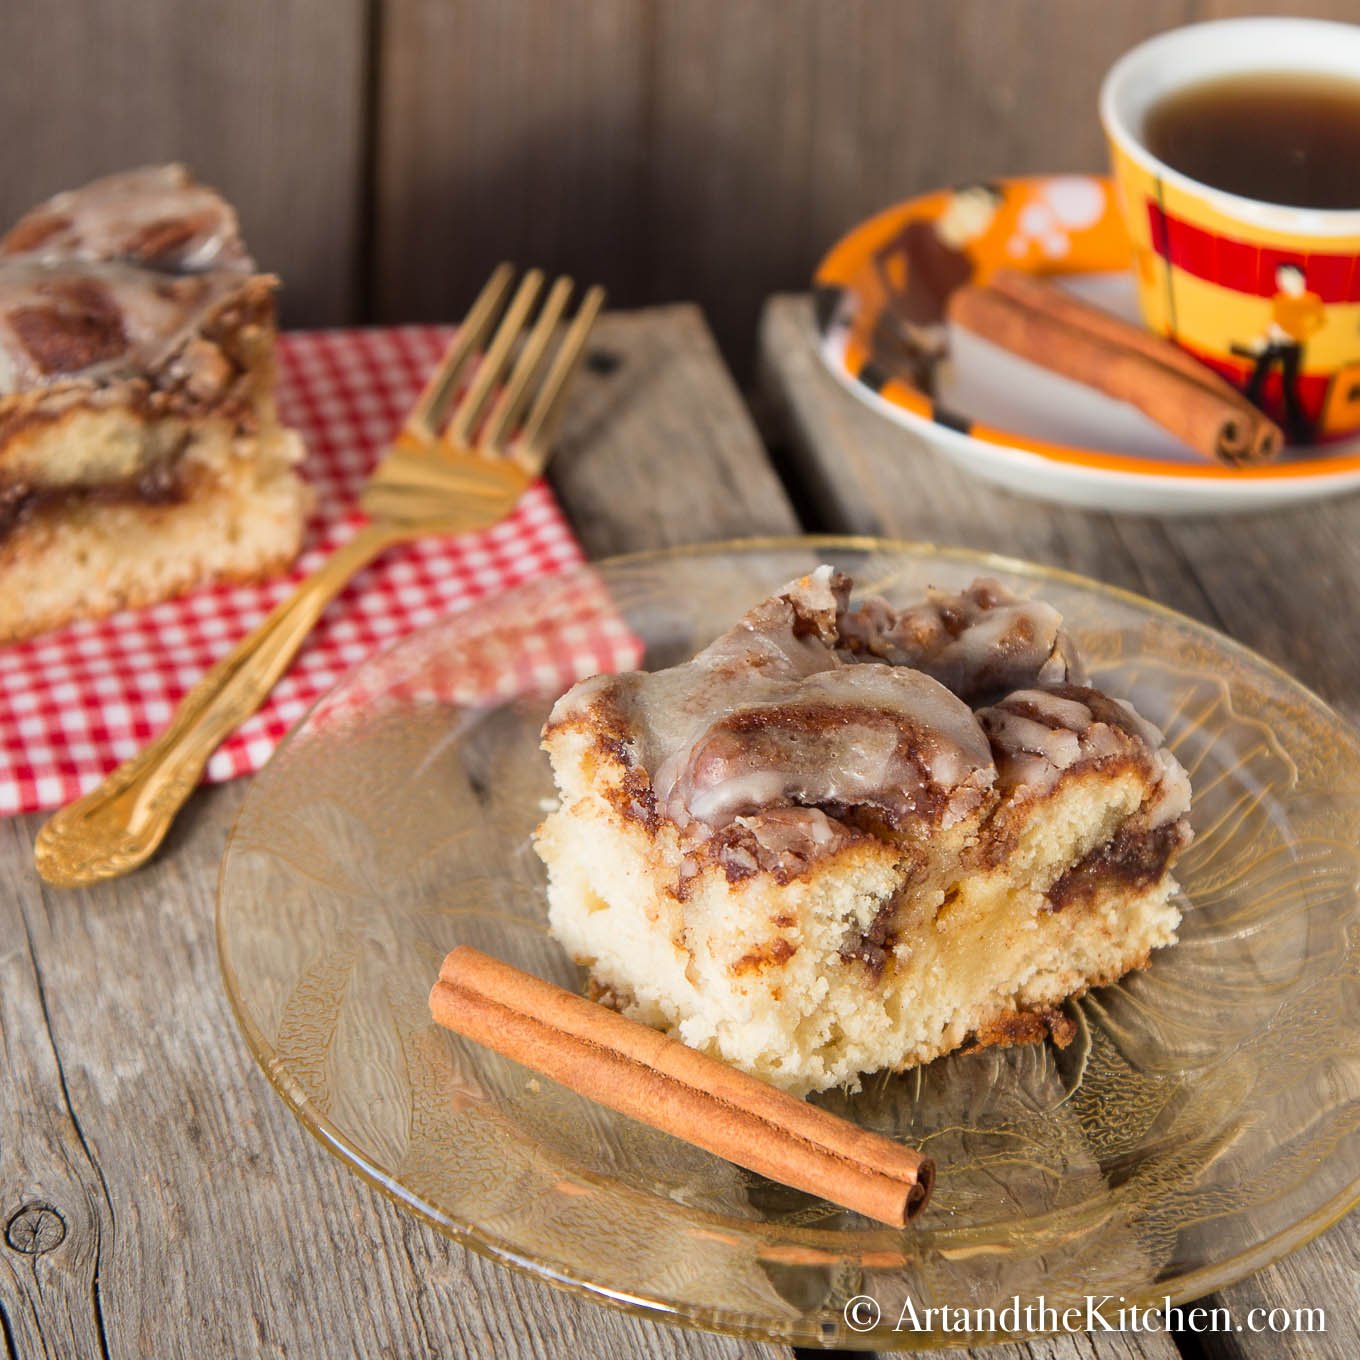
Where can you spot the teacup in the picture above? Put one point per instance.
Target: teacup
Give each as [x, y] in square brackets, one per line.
[1266, 294]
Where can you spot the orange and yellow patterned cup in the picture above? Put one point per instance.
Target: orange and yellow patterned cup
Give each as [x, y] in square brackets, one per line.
[1267, 295]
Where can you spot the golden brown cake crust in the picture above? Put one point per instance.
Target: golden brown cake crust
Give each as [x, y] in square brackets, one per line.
[1013, 1029]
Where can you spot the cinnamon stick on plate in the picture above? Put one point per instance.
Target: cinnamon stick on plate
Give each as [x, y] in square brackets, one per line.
[644, 1074]
[1051, 327]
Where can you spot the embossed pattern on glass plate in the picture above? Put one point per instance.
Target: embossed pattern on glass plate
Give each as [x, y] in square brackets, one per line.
[1206, 1121]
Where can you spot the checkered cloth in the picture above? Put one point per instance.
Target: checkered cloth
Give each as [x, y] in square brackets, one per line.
[75, 703]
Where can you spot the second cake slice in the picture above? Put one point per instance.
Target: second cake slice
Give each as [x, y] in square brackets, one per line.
[140, 451]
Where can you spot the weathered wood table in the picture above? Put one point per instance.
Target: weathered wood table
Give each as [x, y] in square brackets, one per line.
[156, 1198]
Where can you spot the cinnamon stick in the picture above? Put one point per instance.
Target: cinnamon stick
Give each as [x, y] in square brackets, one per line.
[1042, 322]
[648, 1076]
[1033, 290]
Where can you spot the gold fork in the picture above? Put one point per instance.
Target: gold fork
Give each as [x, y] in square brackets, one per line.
[467, 477]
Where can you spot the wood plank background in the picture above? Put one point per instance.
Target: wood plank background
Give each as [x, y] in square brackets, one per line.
[385, 153]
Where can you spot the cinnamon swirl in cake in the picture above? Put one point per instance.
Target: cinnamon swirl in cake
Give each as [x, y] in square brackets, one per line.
[140, 451]
[841, 840]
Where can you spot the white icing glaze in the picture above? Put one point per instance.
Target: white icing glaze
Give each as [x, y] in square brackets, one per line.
[1059, 747]
[805, 704]
[156, 315]
[155, 215]
[772, 714]
[1037, 735]
[982, 641]
[1172, 800]
[864, 735]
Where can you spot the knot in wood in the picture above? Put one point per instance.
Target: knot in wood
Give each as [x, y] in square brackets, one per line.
[35, 1228]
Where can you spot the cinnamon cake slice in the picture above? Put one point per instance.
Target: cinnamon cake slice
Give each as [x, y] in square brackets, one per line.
[140, 451]
[844, 840]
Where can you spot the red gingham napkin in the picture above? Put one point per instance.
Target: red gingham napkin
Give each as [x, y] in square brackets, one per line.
[75, 703]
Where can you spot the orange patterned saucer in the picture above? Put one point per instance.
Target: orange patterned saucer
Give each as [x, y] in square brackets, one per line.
[880, 296]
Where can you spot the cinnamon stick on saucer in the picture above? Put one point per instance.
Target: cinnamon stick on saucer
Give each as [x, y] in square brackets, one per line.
[644, 1074]
[1049, 326]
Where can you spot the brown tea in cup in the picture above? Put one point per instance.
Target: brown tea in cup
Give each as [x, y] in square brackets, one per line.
[1289, 137]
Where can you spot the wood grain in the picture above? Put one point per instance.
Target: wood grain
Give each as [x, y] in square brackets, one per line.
[507, 131]
[771, 138]
[200, 1219]
[1284, 583]
[713, 150]
[267, 101]
[386, 153]
[54, 1213]
[655, 452]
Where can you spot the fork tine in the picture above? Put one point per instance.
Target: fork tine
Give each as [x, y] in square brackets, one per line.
[546, 413]
[513, 397]
[493, 362]
[428, 413]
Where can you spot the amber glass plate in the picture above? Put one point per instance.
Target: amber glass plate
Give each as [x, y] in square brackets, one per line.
[1205, 1121]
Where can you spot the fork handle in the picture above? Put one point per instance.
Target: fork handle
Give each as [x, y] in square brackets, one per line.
[117, 826]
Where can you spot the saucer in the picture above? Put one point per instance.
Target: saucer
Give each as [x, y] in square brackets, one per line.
[1004, 418]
